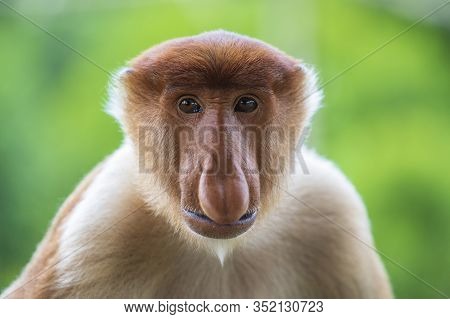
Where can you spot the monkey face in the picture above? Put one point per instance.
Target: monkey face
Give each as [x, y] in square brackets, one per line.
[215, 119]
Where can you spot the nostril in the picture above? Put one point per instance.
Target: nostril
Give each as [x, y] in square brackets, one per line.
[248, 215]
[197, 214]
[207, 227]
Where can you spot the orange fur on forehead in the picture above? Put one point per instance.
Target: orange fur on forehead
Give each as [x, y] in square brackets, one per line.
[215, 59]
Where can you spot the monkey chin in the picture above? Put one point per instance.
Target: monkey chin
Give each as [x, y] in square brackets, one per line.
[218, 239]
[220, 248]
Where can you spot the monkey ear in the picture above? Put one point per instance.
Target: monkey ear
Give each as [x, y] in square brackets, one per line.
[117, 94]
[312, 93]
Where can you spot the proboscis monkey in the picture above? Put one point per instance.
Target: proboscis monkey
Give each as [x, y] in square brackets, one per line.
[209, 195]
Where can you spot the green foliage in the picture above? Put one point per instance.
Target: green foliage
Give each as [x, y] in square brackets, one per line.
[385, 122]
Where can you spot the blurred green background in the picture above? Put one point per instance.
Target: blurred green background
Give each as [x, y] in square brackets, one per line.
[385, 122]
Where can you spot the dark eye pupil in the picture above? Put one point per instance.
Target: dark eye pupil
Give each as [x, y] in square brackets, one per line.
[189, 106]
[246, 105]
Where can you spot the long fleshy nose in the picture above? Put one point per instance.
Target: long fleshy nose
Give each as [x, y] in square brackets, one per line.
[224, 198]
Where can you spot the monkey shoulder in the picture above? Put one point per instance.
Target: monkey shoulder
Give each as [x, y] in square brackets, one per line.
[320, 209]
[319, 193]
[325, 221]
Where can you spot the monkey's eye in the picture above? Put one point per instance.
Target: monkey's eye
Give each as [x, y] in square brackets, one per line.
[189, 105]
[246, 105]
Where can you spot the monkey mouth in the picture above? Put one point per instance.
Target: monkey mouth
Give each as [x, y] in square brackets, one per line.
[203, 225]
